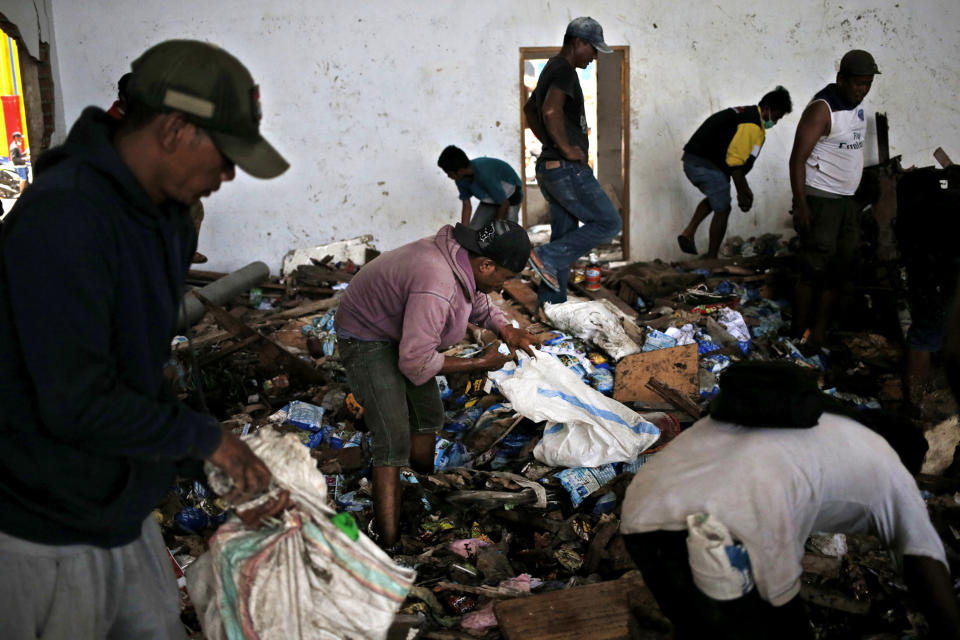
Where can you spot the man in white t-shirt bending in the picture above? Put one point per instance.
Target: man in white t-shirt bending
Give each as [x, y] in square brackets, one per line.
[772, 488]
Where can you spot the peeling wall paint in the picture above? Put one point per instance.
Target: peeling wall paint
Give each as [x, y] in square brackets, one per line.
[362, 97]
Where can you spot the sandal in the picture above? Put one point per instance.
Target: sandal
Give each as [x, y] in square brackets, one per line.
[687, 245]
[546, 277]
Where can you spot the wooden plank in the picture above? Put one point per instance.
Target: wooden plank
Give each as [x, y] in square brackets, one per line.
[308, 308]
[883, 137]
[511, 309]
[598, 611]
[523, 293]
[678, 399]
[266, 348]
[676, 366]
[941, 156]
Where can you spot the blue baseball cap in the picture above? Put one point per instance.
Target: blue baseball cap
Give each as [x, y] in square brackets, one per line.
[590, 30]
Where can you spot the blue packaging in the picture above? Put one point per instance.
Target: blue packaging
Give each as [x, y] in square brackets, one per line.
[304, 415]
[448, 454]
[606, 503]
[314, 440]
[715, 364]
[351, 501]
[658, 340]
[325, 322]
[192, 520]
[466, 419]
[706, 346]
[725, 288]
[445, 390]
[602, 381]
[580, 482]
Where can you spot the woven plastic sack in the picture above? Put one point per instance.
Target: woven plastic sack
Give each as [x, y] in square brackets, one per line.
[597, 321]
[303, 577]
[720, 567]
[584, 427]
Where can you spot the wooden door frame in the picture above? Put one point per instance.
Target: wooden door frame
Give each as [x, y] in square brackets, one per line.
[547, 52]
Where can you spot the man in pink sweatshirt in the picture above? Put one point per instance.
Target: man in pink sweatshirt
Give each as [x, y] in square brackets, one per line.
[398, 311]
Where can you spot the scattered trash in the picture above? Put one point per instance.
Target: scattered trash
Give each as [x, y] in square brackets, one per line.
[532, 461]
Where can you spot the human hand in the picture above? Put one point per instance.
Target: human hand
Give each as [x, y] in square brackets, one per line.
[745, 199]
[518, 339]
[574, 154]
[491, 359]
[801, 216]
[250, 477]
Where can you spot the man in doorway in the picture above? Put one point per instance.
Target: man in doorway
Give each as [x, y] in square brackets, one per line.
[398, 310]
[725, 146]
[826, 165]
[555, 113]
[492, 181]
[91, 435]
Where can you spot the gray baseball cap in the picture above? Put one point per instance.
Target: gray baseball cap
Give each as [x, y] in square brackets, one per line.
[214, 91]
[590, 30]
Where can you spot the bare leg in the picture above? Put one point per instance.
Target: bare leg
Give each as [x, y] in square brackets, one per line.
[917, 375]
[699, 215]
[422, 447]
[818, 332]
[386, 503]
[718, 228]
[802, 305]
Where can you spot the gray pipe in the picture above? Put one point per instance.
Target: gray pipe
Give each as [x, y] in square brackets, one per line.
[222, 291]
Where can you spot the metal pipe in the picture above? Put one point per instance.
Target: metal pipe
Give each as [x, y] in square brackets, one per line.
[222, 291]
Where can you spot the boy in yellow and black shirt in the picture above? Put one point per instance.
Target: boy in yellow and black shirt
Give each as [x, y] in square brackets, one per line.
[724, 146]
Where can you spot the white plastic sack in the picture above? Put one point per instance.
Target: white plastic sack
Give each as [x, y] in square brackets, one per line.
[597, 321]
[584, 427]
[734, 323]
[683, 335]
[720, 568]
[303, 578]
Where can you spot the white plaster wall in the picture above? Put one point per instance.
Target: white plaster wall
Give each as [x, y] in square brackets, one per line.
[361, 97]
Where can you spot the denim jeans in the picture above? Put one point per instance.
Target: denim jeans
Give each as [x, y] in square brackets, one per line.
[574, 196]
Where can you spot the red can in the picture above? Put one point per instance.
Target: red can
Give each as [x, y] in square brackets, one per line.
[592, 274]
[592, 279]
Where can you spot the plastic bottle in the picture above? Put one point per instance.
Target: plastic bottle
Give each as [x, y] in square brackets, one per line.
[593, 273]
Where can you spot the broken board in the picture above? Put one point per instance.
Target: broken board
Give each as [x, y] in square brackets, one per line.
[676, 366]
[598, 611]
[523, 293]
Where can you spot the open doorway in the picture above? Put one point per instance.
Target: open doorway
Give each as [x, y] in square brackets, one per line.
[606, 94]
[15, 156]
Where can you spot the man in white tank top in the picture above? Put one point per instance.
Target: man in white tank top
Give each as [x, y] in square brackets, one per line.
[825, 169]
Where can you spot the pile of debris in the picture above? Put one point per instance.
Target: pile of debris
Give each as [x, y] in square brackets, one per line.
[505, 545]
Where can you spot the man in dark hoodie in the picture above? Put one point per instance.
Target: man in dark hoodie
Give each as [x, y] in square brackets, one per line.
[90, 435]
